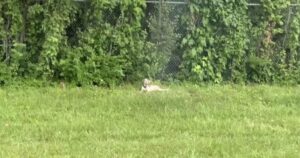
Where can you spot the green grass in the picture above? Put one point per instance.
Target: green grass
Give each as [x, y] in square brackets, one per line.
[214, 121]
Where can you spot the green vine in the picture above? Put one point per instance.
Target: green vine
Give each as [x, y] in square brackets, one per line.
[216, 42]
[107, 42]
[231, 41]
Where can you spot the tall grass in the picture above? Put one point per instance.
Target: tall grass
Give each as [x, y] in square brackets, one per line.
[187, 121]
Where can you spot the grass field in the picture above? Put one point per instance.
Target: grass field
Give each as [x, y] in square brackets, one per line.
[187, 121]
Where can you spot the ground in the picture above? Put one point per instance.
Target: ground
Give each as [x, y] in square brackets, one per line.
[187, 121]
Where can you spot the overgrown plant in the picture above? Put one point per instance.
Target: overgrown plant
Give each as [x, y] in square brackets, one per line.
[96, 42]
[216, 43]
[231, 41]
[103, 42]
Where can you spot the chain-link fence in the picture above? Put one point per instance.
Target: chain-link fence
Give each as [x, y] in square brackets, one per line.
[166, 28]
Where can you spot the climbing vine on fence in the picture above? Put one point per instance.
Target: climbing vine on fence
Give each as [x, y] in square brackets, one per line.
[216, 44]
[96, 42]
[230, 41]
[106, 42]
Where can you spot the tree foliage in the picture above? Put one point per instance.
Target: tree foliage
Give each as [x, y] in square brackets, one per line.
[105, 42]
[231, 41]
[98, 42]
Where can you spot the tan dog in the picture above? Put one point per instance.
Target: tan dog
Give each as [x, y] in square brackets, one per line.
[148, 87]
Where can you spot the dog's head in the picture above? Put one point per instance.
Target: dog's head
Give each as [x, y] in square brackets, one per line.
[146, 82]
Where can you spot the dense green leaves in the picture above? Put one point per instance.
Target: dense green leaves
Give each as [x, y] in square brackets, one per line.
[216, 42]
[231, 41]
[97, 42]
[106, 42]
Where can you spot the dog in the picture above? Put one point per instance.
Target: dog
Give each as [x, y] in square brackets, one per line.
[148, 87]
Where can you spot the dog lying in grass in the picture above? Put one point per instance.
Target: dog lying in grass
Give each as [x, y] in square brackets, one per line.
[148, 87]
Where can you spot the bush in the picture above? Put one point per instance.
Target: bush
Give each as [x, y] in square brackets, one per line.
[5, 74]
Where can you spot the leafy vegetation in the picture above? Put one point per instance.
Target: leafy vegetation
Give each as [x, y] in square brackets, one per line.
[188, 121]
[100, 42]
[107, 42]
[231, 41]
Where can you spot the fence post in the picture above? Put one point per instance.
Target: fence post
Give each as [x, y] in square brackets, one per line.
[286, 28]
[159, 20]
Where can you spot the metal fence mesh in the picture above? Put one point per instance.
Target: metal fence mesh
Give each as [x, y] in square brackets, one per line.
[169, 31]
[165, 29]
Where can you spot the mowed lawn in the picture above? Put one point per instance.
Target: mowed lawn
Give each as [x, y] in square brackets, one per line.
[186, 121]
